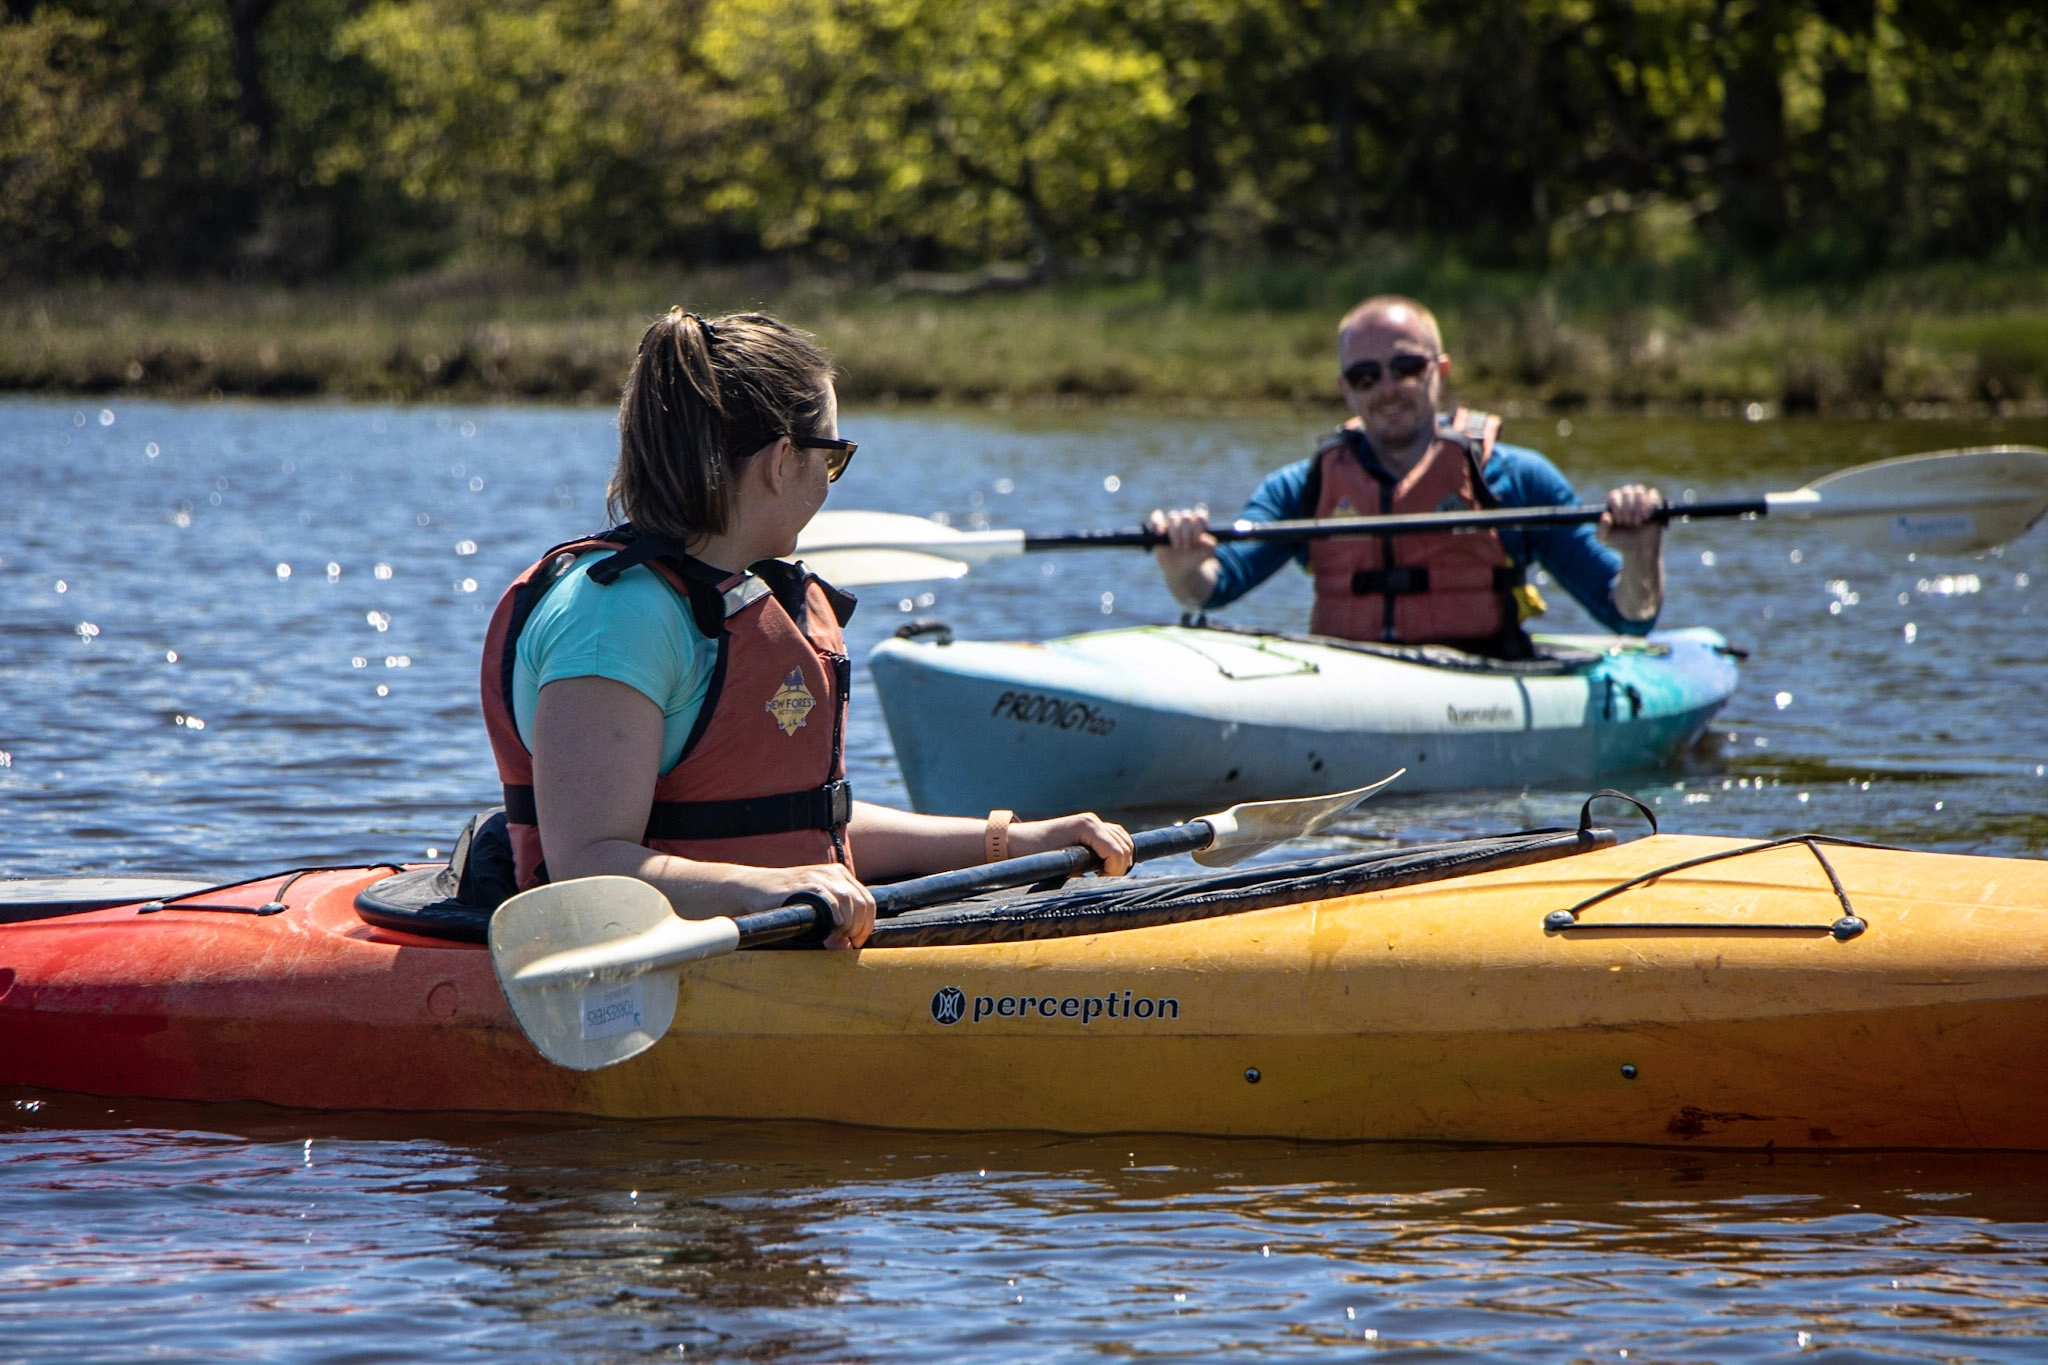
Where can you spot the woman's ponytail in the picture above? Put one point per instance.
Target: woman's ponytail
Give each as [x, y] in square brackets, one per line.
[702, 397]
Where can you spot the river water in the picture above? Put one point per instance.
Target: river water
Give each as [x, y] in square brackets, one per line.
[237, 638]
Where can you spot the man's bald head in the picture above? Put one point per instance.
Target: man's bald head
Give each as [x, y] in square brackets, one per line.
[1397, 312]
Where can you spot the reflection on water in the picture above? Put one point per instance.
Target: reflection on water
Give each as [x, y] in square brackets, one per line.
[199, 1234]
[243, 637]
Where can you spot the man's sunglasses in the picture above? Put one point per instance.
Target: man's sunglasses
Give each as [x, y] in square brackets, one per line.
[1366, 373]
[838, 453]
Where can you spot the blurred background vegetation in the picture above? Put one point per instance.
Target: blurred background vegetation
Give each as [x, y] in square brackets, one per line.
[1832, 204]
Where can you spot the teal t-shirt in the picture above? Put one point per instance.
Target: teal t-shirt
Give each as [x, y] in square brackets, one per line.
[638, 631]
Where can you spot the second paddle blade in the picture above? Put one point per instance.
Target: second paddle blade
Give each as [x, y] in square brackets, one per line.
[599, 1020]
[1257, 826]
[1953, 502]
[866, 568]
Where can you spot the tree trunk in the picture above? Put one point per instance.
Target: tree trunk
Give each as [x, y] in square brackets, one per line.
[1752, 130]
[245, 18]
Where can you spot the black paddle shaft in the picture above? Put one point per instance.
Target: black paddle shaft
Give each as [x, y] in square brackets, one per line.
[806, 915]
[1417, 523]
[942, 887]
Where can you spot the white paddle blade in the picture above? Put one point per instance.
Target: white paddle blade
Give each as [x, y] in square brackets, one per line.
[1257, 826]
[865, 568]
[1952, 502]
[852, 548]
[590, 966]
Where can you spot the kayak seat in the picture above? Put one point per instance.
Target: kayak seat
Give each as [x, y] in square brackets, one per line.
[452, 901]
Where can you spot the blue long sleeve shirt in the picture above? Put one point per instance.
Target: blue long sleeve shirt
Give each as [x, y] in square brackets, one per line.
[1515, 475]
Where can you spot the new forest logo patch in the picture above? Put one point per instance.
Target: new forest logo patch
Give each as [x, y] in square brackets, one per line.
[791, 705]
[951, 1005]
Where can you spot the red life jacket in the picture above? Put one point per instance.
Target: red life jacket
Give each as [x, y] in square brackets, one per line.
[762, 777]
[1448, 588]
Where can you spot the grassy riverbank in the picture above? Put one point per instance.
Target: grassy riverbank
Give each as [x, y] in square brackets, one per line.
[1951, 338]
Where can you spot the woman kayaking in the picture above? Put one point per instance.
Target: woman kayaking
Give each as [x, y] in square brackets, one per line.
[667, 700]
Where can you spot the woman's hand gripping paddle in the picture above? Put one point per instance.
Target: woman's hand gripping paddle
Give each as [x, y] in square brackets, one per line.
[1949, 502]
[592, 967]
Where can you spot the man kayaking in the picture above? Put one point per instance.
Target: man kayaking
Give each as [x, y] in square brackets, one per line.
[1399, 454]
[667, 700]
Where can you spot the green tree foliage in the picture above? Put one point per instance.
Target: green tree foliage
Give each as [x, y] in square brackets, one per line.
[196, 136]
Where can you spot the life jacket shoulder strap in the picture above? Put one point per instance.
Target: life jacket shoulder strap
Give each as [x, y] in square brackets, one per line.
[1476, 433]
[714, 595]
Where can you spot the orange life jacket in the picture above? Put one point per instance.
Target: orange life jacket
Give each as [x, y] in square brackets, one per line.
[1449, 588]
[762, 777]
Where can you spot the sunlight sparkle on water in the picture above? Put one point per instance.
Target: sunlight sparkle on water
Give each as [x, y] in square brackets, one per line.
[440, 1237]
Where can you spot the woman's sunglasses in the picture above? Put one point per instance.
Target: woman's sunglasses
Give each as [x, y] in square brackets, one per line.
[838, 453]
[1366, 373]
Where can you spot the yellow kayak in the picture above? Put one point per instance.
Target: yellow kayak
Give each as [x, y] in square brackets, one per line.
[1798, 995]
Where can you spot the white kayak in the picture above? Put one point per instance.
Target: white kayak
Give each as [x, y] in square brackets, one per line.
[1183, 715]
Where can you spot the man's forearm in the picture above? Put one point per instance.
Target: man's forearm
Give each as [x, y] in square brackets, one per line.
[1192, 585]
[1639, 587]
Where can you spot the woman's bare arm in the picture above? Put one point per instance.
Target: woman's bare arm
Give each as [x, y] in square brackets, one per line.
[596, 752]
[888, 843]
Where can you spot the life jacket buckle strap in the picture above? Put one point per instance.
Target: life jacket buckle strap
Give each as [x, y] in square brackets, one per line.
[1401, 581]
[519, 805]
[827, 807]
